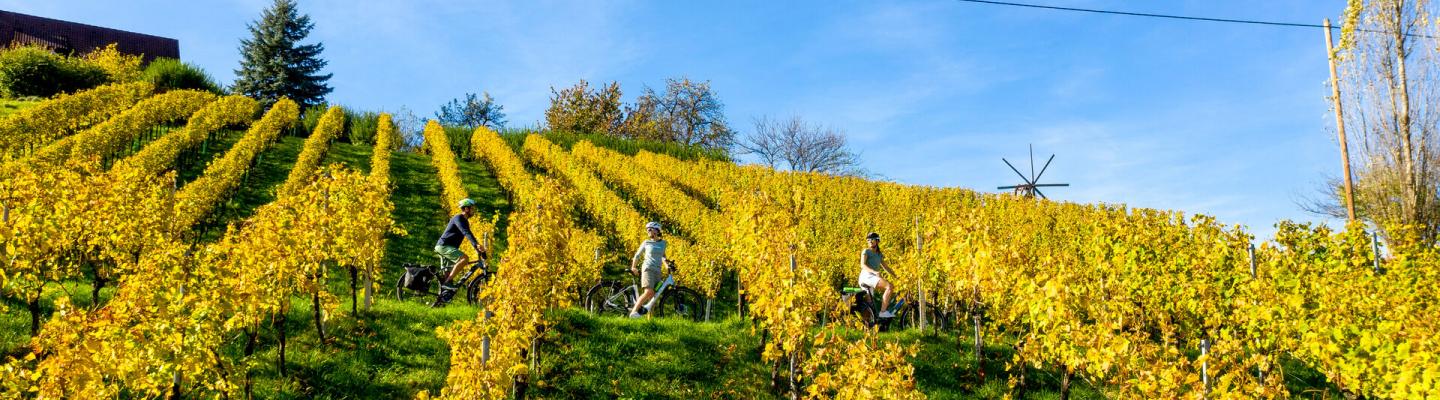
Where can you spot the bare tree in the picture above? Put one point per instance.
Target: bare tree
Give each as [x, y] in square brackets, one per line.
[1389, 71]
[801, 147]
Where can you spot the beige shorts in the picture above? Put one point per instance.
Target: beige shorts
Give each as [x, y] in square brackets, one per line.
[869, 279]
[649, 278]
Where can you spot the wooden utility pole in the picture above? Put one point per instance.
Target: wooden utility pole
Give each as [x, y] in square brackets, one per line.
[1340, 124]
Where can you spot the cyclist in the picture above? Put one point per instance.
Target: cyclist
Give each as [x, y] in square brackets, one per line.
[872, 262]
[456, 232]
[652, 252]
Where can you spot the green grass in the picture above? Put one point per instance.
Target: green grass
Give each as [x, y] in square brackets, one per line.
[271, 168]
[388, 352]
[8, 107]
[583, 356]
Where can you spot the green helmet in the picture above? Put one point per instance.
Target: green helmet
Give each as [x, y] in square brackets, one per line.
[467, 203]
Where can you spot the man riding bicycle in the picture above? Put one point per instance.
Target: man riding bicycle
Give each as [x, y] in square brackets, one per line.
[457, 231]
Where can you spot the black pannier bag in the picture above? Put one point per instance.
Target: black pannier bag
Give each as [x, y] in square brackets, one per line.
[417, 277]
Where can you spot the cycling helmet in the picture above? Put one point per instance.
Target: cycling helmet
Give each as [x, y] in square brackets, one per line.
[467, 203]
[872, 236]
[653, 225]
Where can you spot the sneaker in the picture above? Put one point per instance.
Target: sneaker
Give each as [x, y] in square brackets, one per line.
[644, 310]
[634, 315]
[887, 314]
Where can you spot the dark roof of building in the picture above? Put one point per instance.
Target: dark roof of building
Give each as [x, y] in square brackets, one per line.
[78, 38]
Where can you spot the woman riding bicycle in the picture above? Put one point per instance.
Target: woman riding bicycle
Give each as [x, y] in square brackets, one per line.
[456, 232]
[872, 262]
[652, 252]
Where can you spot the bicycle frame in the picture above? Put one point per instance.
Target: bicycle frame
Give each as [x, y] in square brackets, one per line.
[664, 284]
[477, 265]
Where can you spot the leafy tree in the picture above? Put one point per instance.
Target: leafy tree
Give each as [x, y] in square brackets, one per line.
[1390, 82]
[643, 120]
[275, 65]
[580, 109]
[691, 114]
[473, 112]
[688, 113]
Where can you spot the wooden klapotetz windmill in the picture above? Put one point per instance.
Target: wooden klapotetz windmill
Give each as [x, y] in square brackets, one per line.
[1031, 187]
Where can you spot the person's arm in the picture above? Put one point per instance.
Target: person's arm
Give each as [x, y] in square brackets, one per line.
[864, 267]
[635, 260]
[887, 268]
[465, 229]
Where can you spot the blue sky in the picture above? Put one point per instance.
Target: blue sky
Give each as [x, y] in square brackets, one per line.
[1223, 119]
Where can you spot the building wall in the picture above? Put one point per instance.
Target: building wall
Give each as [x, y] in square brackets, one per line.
[69, 37]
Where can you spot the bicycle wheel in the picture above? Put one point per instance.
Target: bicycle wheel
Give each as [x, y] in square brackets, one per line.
[473, 289]
[400, 288]
[906, 317]
[610, 298]
[681, 302]
[860, 304]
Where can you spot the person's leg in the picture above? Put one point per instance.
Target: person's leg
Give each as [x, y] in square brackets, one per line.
[459, 265]
[885, 296]
[644, 298]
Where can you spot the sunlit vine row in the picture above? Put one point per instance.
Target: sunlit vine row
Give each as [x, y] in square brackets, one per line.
[161, 154]
[523, 288]
[107, 138]
[198, 198]
[612, 212]
[452, 188]
[698, 222]
[162, 330]
[64, 115]
[314, 149]
[584, 246]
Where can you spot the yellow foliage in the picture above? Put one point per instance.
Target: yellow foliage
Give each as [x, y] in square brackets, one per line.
[120, 67]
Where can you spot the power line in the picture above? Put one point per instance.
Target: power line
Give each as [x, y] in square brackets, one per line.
[1171, 16]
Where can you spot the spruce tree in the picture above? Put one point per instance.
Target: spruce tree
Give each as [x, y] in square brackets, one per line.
[275, 65]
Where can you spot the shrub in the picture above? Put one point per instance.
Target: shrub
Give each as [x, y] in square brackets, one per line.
[310, 118]
[118, 67]
[36, 71]
[171, 74]
[360, 127]
[460, 140]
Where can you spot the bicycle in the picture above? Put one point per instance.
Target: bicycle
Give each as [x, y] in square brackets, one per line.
[864, 304]
[421, 280]
[610, 297]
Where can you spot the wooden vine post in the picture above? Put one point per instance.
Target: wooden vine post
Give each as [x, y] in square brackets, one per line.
[920, 270]
[1340, 124]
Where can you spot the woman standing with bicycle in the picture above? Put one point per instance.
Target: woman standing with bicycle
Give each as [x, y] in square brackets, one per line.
[872, 261]
[652, 253]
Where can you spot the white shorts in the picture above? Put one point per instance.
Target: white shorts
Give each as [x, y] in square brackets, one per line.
[869, 279]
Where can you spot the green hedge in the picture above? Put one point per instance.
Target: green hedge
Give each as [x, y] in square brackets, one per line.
[35, 71]
[171, 74]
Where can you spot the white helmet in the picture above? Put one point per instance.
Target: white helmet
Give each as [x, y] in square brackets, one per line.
[653, 225]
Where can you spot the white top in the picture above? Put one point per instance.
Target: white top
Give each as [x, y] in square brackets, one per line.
[653, 252]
